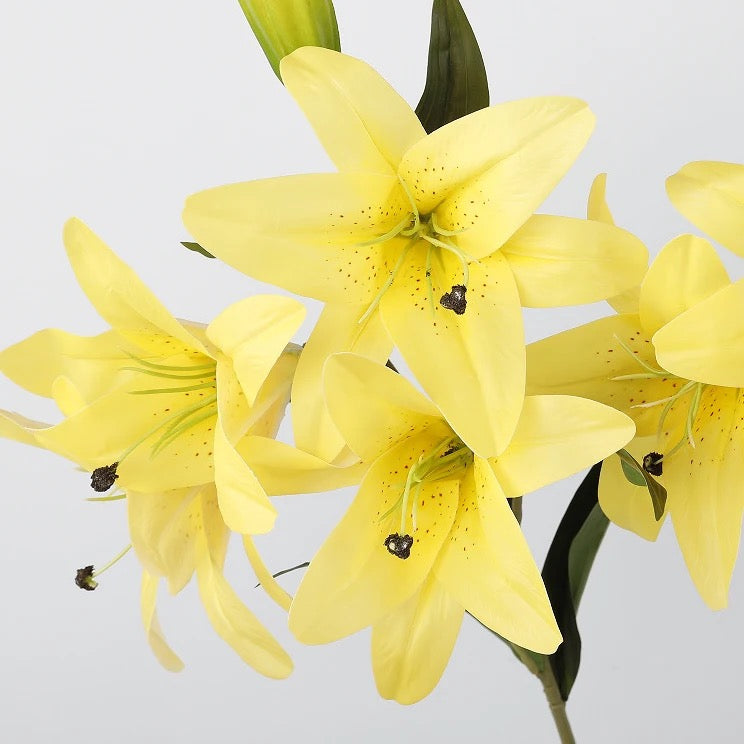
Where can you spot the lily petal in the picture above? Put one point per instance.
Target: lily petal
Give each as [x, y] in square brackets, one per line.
[487, 172]
[583, 361]
[235, 623]
[372, 406]
[116, 292]
[253, 333]
[337, 329]
[283, 469]
[353, 581]
[363, 124]
[686, 271]
[711, 195]
[558, 435]
[305, 233]
[627, 505]
[412, 644]
[705, 495]
[706, 342]
[564, 261]
[163, 653]
[487, 566]
[19, 428]
[471, 365]
[264, 576]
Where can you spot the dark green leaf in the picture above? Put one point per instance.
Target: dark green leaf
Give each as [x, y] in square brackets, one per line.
[566, 569]
[635, 473]
[197, 248]
[456, 82]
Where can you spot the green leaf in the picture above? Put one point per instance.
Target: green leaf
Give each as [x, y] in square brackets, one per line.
[566, 570]
[281, 26]
[196, 248]
[456, 82]
[635, 473]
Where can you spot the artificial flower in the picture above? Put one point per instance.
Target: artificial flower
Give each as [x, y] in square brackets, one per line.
[158, 407]
[673, 363]
[430, 533]
[427, 241]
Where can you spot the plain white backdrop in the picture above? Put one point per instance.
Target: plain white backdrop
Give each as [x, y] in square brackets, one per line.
[114, 112]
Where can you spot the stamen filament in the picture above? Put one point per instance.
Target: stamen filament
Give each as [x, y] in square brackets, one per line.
[686, 388]
[188, 389]
[454, 250]
[633, 355]
[441, 231]
[388, 283]
[152, 365]
[414, 210]
[389, 235]
[184, 425]
[114, 560]
[157, 373]
[113, 497]
[429, 284]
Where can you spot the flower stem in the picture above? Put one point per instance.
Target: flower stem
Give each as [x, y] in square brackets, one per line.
[557, 704]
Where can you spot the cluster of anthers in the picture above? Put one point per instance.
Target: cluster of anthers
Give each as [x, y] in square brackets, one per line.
[418, 227]
[447, 459]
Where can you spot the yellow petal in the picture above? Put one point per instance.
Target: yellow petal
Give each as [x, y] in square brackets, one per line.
[253, 333]
[597, 209]
[67, 396]
[564, 261]
[487, 172]
[711, 196]
[236, 624]
[264, 576]
[706, 342]
[304, 233]
[93, 363]
[372, 406]
[353, 581]
[268, 410]
[705, 494]
[558, 435]
[337, 329]
[412, 644]
[163, 652]
[116, 292]
[19, 428]
[686, 271]
[470, 365]
[487, 566]
[627, 505]
[583, 361]
[361, 121]
[283, 469]
[244, 505]
[161, 527]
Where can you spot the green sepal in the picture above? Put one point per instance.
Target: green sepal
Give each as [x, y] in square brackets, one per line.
[636, 475]
[456, 82]
[196, 248]
[281, 26]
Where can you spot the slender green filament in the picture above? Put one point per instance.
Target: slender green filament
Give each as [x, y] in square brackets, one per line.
[114, 560]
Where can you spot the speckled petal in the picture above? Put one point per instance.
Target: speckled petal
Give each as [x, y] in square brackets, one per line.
[486, 173]
[686, 271]
[412, 644]
[362, 122]
[305, 233]
[354, 581]
[487, 566]
[582, 361]
[372, 406]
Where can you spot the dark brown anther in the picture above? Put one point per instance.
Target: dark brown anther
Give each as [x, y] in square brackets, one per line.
[653, 463]
[455, 299]
[101, 479]
[399, 545]
[84, 579]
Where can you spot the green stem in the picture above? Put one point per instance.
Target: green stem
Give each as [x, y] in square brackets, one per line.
[557, 704]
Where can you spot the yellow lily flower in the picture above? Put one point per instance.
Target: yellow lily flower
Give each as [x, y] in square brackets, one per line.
[425, 240]
[674, 365]
[167, 410]
[430, 533]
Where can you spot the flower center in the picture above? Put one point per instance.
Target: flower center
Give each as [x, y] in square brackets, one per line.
[447, 459]
[417, 227]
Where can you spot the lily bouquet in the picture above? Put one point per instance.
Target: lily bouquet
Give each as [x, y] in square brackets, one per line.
[423, 243]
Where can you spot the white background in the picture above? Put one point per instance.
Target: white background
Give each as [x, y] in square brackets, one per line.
[114, 112]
